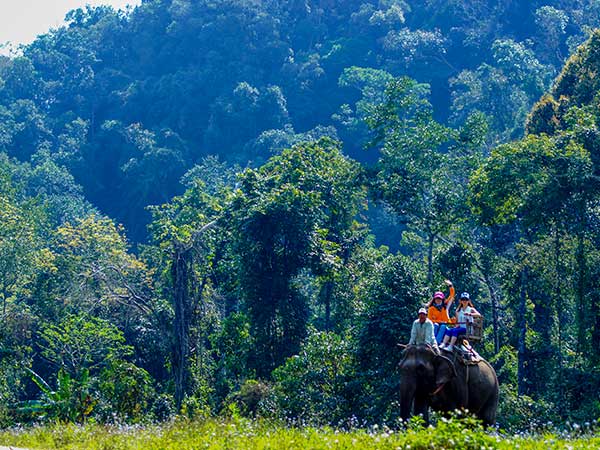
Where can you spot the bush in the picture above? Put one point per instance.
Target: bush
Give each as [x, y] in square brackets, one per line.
[521, 412]
[312, 387]
[125, 391]
[193, 407]
[250, 397]
[11, 376]
[162, 408]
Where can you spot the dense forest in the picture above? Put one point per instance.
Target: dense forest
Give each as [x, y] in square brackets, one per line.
[238, 206]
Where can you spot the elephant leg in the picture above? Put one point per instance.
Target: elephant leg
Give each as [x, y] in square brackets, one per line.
[487, 413]
[483, 393]
[406, 408]
[407, 396]
[422, 407]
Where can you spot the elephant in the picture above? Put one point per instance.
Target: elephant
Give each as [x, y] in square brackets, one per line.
[429, 379]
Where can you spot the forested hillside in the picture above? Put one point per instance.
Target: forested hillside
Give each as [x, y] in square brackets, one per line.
[195, 193]
[130, 103]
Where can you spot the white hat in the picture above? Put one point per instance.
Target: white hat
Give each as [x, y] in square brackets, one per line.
[422, 311]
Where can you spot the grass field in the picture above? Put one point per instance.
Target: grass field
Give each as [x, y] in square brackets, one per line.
[243, 434]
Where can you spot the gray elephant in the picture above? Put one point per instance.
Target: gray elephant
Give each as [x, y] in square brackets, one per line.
[430, 379]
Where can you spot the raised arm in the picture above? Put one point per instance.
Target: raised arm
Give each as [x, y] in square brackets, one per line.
[451, 296]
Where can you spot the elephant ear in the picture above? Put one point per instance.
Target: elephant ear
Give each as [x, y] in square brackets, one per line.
[444, 370]
[406, 349]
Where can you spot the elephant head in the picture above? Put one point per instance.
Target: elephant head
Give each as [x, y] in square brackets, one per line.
[423, 372]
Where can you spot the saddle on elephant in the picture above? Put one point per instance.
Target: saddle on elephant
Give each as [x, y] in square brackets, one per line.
[465, 353]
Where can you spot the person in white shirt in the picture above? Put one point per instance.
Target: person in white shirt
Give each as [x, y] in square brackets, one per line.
[422, 331]
[465, 312]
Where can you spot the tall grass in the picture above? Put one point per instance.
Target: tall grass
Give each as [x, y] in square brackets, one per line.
[244, 434]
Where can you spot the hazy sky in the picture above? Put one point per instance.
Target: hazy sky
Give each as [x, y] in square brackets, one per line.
[22, 20]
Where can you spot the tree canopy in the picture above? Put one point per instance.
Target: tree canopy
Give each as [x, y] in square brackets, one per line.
[237, 207]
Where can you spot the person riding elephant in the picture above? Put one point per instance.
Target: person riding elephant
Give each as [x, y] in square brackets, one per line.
[432, 380]
[422, 331]
[438, 309]
[465, 311]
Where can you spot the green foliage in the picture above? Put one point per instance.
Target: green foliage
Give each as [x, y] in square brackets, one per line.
[130, 101]
[312, 387]
[529, 179]
[93, 378]
[518, 412]
[414, 175]
[95, 271]
[576, 82]
[505, 364]
[22, 250]
[457, 263]
[504, 90]
[178, 220]
[232, 346]
[277, 234]
[70, 402]
[372, 84]
[295, 213]
[543, 117]
[258, 275]
[213, 173]
[243, 434]
[251, 398]
[82, 343]
[12, 377]
[393, 300]
[125, 390]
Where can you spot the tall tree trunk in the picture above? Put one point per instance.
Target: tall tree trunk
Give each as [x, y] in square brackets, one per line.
[557, 267]
[484, 265]
[430, 242]
[326, 292]
[494, 300]
[581, 285]
[522, 325]
[558, 296]
[596, 330]
[181, 304]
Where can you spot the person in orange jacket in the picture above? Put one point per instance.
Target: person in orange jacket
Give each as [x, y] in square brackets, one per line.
[437, 311]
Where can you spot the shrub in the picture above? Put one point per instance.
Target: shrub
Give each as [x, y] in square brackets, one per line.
[251, 395]
[125, 391]
[313, 385]
[521, 412]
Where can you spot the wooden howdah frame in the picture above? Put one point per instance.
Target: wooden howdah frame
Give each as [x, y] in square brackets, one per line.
[475, 329]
